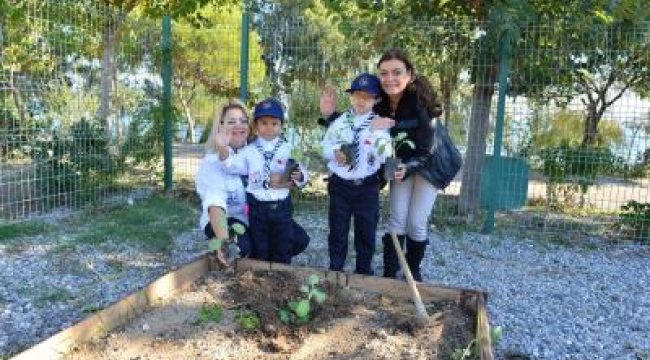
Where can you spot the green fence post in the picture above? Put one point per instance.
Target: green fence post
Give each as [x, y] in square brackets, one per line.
[504, 72]
[243, 64]
[167, 98]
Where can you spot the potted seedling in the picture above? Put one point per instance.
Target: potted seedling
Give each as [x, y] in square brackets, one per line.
[345, 143]
[392, 163]
[290, 167]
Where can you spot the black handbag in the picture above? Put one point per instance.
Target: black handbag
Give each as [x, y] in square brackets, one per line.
[444, 160]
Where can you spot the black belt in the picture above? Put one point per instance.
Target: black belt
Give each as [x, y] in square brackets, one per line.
[271, 204]
[368, 180]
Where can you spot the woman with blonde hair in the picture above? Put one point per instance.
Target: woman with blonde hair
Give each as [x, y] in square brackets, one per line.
[223, 195]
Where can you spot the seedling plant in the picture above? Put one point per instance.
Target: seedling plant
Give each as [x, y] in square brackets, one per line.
[217, 243]
[470, 351]
[247, 320]
[210, 313]
[299, 312]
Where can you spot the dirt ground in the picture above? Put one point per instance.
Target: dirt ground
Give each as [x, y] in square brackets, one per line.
[349, 324]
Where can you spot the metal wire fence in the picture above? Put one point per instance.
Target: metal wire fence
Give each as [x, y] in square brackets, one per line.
[567, 157]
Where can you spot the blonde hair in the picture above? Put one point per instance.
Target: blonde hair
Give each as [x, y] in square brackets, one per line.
[210, 146]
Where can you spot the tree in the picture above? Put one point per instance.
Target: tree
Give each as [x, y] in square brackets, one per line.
[206, 58]
[605, 55]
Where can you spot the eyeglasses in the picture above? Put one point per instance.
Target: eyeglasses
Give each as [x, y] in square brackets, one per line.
[395, 72]
[234, 121]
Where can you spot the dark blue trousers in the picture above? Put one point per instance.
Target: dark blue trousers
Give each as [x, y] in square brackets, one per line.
[271, 229]
[299, 242]
[348, 199]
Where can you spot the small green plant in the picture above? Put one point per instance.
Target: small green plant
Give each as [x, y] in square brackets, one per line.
[216, 243]
[299, 311]
[247, 320]
[210, 313]
[636, 217]
[470, 351]
[395, 143]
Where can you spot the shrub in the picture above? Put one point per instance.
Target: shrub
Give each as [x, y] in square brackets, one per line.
[571, 170]
[635, 217]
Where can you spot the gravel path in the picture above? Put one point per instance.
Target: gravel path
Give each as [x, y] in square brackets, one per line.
[552, 302]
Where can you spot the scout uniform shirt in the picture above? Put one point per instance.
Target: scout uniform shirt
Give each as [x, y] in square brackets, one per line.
[355, 129]
[259, 160]
[218, 188]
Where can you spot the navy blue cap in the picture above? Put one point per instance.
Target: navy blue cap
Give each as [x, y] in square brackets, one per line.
[269, 107]
[367, 83]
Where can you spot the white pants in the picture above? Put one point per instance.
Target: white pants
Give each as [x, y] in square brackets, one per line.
[411, 202]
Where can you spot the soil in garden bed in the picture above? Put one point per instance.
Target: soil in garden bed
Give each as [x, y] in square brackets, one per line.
[349, 324]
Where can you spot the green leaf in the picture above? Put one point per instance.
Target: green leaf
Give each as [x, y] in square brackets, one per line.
[238, 228]
[215, 244]
[313, 280]
[293, 305]
[495, 334]
[285, 316]
[302, 308]
[319, 296]
[304, 288]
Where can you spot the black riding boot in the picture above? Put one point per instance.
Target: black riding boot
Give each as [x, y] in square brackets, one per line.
[391, 262]
[414, 254]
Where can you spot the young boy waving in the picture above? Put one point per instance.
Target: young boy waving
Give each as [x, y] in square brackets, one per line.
[350, 147]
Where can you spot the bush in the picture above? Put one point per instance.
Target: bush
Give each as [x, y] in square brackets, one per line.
[75, 161]
[570, 170]
[635, 218]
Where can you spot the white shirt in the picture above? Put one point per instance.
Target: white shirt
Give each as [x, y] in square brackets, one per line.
[373, 145]
[218, 188]
[250, 161]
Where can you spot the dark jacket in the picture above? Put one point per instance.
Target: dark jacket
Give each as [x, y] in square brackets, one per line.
[414, 120]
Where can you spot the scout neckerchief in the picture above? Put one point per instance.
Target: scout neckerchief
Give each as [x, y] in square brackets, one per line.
[268, 157]
[357, 134]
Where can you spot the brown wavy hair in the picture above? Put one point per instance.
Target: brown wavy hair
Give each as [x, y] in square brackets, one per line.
[419, 84]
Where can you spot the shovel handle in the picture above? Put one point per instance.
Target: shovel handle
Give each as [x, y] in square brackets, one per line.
[420, 310]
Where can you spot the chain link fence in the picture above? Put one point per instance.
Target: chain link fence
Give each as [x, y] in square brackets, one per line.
[81, 114]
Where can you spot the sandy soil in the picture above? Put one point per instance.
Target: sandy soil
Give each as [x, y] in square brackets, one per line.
[350, 324]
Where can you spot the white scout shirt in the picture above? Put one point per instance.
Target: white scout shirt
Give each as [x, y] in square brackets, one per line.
[251, 161]
[218, 188]
[344, 130]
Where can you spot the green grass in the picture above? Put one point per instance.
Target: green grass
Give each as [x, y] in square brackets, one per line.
[10, 232]
[151, 223]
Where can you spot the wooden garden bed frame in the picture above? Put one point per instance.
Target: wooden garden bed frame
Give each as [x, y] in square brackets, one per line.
[57, 346]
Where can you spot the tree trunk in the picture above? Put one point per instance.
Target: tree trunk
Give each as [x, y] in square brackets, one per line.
[18, 98]
[479, 123]
[446, 87]
[107, 75]
[591, 126]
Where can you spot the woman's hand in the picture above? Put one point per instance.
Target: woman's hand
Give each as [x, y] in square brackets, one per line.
[382, 123]
[328, 100]
[222, 135]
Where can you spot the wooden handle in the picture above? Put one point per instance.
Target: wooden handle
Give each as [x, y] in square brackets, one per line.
[420, 310]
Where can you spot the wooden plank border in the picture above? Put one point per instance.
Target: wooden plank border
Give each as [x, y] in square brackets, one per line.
[120, 313]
